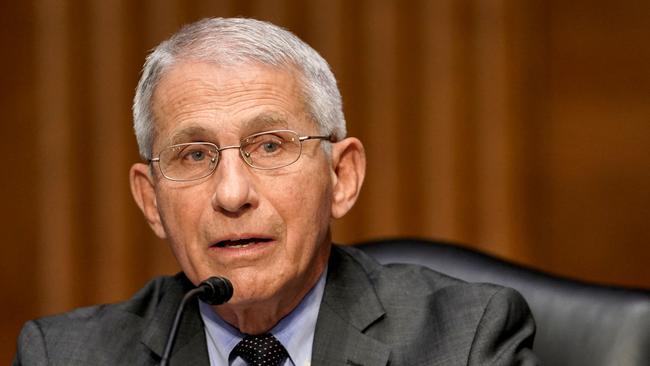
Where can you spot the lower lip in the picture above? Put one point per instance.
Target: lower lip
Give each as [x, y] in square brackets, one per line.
[246, 250]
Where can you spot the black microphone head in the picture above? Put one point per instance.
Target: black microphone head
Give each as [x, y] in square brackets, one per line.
[216, 290]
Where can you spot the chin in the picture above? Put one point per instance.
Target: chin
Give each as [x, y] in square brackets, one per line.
[246, 299]
[251, 290]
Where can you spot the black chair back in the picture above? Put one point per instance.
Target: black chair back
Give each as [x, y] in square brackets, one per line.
[577, 323]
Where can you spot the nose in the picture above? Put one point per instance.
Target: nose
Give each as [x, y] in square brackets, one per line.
[234, 189]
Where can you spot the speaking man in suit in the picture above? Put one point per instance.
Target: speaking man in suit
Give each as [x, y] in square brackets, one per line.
[246, 163]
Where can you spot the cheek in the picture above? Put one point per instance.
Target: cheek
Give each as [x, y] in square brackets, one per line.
[182, 204]
[180, 213]
[307, 215]
[172, 212]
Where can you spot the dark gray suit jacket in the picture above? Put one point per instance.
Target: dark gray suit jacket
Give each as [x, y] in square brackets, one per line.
[370, 315]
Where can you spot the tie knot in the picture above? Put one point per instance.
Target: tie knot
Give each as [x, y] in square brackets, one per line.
[261, 350]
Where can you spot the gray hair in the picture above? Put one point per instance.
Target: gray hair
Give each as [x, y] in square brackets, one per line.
[235, 41]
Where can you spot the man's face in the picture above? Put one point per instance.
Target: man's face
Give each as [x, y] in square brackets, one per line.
[265, 230]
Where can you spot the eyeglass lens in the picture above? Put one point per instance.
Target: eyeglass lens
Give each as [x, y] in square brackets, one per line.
[267, 150]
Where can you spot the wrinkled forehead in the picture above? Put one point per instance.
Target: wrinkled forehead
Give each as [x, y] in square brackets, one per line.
[195, 97]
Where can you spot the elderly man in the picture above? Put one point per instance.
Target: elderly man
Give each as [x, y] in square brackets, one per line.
[241, 127]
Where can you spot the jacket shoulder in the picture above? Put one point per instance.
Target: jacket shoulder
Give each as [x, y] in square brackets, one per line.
[141, 305]
[100, 330]
[402, 277]
[430, 316]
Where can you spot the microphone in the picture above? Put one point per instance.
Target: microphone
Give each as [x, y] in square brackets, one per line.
[214, 291]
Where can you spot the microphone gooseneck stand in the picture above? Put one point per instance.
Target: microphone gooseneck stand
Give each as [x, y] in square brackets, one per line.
[214, 291]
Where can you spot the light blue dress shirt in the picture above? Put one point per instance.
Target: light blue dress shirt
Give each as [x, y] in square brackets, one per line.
[295, 331]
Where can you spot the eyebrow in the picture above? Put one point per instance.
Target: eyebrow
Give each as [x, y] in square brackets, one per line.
[188, 133]
[265, 121]
[262, 122]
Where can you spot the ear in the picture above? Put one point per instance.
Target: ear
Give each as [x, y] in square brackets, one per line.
[348, 171]
[144, 194]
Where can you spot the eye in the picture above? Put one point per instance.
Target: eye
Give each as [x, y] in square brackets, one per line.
[271, 146]
[264, 145]
[197, 155]
[194, 153]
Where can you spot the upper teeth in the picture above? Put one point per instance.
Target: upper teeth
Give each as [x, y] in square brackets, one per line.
[238, 245]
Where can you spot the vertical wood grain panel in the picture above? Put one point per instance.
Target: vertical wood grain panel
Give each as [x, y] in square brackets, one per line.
[525, 55]
[213, 8]
[439, 83]
[109, 128]
[382, 122]
[163, 18]
[55, 257]
[19, 188]
[325, 31]
[464, 136]
[274, 11]
[596, 171]
[493, 127]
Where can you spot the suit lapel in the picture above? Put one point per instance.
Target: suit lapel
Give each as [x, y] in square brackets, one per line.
[190, 347]
[192, 351]
[350, 306]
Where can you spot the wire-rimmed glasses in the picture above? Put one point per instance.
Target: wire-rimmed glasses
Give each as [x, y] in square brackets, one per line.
[265, 150]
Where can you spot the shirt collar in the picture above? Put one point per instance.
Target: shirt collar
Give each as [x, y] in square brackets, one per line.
[295, 331]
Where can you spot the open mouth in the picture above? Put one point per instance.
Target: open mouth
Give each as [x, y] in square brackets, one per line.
[240, 243]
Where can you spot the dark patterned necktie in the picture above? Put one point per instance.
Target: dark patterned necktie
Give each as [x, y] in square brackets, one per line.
[261, 350]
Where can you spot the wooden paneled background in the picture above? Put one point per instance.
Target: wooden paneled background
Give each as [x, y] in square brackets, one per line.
[521, 128]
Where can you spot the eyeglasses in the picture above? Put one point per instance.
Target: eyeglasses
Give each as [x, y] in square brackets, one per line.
[265, 150]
